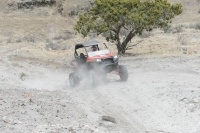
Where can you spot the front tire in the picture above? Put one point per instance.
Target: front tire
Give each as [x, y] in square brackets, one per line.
[123, 73]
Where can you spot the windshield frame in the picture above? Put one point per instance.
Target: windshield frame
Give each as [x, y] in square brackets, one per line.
[93, 53]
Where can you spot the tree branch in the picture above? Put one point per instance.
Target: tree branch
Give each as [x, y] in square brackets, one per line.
[114, 30]
[130, 35]
[130, 47]
[125, 28]
[118, 28]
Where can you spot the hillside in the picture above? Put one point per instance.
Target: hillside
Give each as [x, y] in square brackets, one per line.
[45, 24]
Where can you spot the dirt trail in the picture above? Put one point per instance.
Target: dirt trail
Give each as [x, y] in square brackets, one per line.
[161, 96]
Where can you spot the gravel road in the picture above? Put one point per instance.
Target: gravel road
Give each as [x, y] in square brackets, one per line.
[162, 95]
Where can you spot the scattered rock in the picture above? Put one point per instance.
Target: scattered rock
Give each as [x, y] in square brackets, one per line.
[109, 118]
[23, 104]
[22, 76]
[64, 106]
[9, 120]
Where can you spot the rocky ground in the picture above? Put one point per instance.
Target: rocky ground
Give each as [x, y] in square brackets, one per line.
[161, 96]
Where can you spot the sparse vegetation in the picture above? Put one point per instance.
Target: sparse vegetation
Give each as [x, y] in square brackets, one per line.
[18, 40]
[178, 29]
[76, 10]
[183, 44]
[59, 6]
[9, 40]
[199, 5]
[145, 34]
[31, 39]
[35, 3]
[14, 40]
[111, 16]
[167, 29]
[58, 37]
[174, 29]
[182, 40]
[195, 26]
[66, 35]
[13, 5]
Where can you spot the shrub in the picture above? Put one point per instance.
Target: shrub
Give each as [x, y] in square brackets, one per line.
[178, 29]
[167, 29]
[35, 3]
[29, 39]
[195, 26]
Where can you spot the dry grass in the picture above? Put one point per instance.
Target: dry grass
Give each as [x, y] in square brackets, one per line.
[44, 26]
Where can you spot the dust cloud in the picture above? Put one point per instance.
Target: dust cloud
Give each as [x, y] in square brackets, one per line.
[46, 79]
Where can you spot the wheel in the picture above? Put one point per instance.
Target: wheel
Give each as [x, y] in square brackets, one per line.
[73, 80]
[123, 73]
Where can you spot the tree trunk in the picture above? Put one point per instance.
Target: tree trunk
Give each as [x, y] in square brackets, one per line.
[121, 47]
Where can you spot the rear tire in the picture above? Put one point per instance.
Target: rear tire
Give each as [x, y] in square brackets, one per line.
[73, 80]
[123, 73]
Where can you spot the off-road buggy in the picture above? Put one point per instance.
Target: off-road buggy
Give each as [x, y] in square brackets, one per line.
[94, 65]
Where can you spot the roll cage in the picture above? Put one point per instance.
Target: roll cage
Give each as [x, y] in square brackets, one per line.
[85, 46]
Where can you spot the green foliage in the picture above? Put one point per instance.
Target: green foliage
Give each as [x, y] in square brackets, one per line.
[134, 16]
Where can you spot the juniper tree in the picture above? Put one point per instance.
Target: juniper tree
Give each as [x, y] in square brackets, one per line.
[127, 18]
